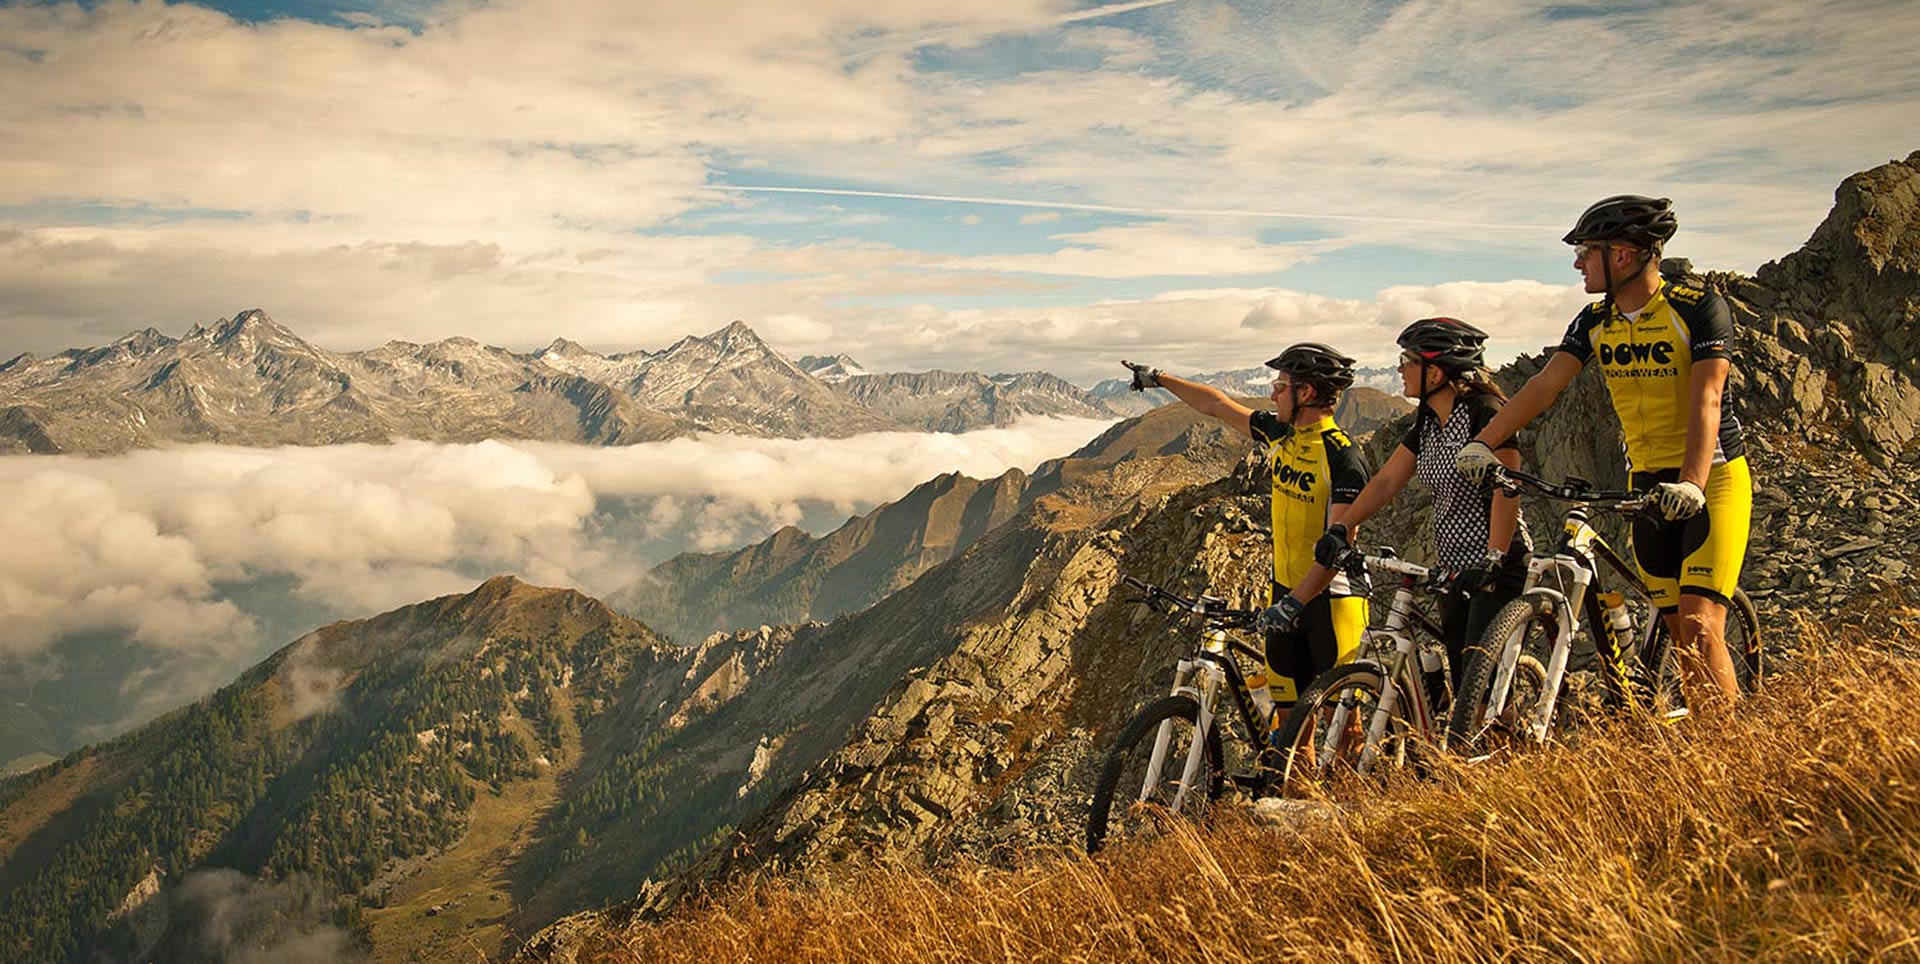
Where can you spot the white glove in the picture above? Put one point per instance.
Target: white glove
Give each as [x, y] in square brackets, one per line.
[1475, 461]
[1679, 500]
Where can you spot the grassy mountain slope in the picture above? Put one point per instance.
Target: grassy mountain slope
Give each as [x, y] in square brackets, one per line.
[347, 759]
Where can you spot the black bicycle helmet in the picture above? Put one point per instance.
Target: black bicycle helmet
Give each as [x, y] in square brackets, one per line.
[1315, 364]
[1645, 221]
[1449, 344]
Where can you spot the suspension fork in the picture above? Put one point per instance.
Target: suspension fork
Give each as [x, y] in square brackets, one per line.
[1213, 677]
[1182, 678]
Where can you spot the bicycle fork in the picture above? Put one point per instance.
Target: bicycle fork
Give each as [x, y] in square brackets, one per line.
[1565, 626]
[1211, 679]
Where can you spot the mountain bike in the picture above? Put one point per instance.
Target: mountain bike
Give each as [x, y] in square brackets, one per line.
[1636, 665]
[1382, 709]
[1180, 754]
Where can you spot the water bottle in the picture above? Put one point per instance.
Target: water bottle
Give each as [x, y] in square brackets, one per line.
[1429, 659]
[1432, 666]
[1619, 619]
[1262, 693]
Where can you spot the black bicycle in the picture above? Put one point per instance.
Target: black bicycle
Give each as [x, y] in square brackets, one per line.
[1565, 595]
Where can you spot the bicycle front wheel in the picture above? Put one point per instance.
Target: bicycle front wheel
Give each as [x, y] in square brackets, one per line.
[1324, 737]
[1134, 795]
[1743, 642]
[1531, 620]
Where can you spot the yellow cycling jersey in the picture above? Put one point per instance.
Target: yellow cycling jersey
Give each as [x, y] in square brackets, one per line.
[1314, 468]
[1648, 363]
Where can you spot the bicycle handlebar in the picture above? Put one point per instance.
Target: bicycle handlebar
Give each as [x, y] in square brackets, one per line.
[1574, 490]
[1212, 608]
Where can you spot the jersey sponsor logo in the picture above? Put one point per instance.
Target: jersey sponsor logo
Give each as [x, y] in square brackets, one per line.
[1289, 476]
[1621, 356]
[1699, 570]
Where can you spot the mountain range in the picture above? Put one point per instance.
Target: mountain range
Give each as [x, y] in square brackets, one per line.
[465, 772]
[248, 380]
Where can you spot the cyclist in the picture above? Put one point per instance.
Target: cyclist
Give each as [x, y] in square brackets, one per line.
[1317, 614]
[1665, 350]
[1479, 537]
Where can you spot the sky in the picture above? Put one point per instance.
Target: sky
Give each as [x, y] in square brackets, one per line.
[998, 185]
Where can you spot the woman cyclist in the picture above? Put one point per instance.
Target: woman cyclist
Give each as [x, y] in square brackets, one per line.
[1478, 536]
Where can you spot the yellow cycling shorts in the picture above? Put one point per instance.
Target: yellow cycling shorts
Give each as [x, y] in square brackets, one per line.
[1700, 556]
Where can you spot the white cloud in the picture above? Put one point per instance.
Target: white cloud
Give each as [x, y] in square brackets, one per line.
[1208, 329]
[386, 188]
[139, 543]
[1148, 250]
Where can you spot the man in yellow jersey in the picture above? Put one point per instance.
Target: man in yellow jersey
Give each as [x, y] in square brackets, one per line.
[1665, 349]
[1318, 614]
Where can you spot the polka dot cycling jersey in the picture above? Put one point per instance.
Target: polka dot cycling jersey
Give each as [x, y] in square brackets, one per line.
[1462, 513]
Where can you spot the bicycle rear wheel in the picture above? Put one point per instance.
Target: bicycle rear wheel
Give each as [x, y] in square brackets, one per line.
[1744, 643]
[1123, 807]
[1744, 647]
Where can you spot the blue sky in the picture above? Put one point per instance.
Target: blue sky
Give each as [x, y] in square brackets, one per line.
[1189, 181]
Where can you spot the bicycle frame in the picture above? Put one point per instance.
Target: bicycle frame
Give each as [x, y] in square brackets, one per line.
[1395, 674]
[1571, 569]
[1202, 675]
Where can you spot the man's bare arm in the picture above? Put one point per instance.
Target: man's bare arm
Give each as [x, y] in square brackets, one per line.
[1532, 399]
[1208, 400]
[1704, 392]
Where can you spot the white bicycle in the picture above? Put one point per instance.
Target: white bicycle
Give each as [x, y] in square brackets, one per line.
[1357, 715]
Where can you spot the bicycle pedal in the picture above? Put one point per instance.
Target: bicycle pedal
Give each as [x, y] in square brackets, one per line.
[1671, 717]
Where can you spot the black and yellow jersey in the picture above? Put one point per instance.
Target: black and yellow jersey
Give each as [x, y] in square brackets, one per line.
[1314, 468]
[1648, 362]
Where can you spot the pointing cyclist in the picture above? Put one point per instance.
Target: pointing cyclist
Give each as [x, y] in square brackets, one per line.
[1478, 536]
[1665, 350]
[1317, 616]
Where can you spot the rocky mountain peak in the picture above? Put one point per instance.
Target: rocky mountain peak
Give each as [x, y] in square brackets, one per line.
[831, 369]
[562, 346]
[252, 321]
[1862, 264]
[146, 341]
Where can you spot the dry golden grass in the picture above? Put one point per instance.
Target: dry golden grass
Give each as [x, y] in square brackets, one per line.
[1789, 831]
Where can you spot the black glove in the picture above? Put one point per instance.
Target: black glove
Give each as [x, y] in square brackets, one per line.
[1144, 377]
[1281, 617]
[1333, 546]
[1478, 577]
[1470, 580]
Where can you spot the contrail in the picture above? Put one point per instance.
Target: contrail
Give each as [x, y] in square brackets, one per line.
[1128, 209]
[1110, 10]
